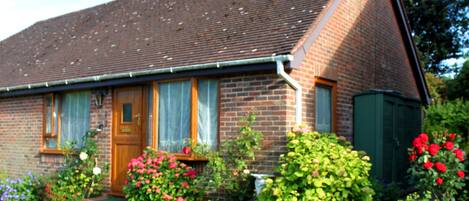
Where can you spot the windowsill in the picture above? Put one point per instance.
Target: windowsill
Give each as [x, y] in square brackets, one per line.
[52, 151]
[190, 157]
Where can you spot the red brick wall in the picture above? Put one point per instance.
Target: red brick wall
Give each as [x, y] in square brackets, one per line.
[21, 129]
[265, 95]
[360, 48]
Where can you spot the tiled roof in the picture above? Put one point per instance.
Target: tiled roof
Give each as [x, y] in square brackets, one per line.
[130, 35]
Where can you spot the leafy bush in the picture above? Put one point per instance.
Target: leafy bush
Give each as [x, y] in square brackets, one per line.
[320, 167]
[452, 116]
[81, 177]
[19, 189]
[227, 168]
[159, 176]
[417, 196]
[437, 164]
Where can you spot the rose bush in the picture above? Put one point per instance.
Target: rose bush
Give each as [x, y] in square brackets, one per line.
[437, 164]
[319, 167]
[159, 176]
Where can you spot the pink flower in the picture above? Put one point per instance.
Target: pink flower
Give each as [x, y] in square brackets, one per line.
[147, 181]
[191, 174]
[439, 181]
[433, 149]
[138, 184]
[180, 199]
[186, 150]
[440, 167]
[185, 184]
[173, 165]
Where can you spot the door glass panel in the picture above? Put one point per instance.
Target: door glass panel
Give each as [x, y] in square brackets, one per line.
[127, 112]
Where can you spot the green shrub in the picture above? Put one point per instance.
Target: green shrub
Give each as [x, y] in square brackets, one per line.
[451, 116]
[227, 169]
[436, 165]
[81, 177]
[320, 167]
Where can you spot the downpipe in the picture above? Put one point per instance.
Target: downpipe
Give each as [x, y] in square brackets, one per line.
[295, 85]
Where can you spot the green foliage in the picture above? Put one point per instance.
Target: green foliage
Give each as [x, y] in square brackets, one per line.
[25, 188]
[452, 116]
[386, 192]
[227, 168]
[437, 165]
[159, 176]
[417, 196]
[436, 87]
[319, 167]
[81, 177]
[440, 30]
[459, 86]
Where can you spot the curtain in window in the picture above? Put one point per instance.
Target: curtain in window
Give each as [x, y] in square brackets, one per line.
[173, 115]
[74, 117]
[208, 113]
[323, 109]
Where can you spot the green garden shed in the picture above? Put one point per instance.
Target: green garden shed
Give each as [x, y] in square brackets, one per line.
[384, 124]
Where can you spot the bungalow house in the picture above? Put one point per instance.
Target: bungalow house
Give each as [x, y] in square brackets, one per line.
[160, 72]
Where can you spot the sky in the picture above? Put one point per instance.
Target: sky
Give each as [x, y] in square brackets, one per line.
[16, 15]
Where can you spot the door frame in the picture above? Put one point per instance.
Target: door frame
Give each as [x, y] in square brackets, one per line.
[115, 118]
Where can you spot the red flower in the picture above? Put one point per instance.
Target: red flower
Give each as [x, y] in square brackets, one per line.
[423, 138]
[173, 165]
[449, 145]
[440, 167]
[191, 174]
[433, 149]
[439, 181]
[138, 184]
[186, 150]
[185, 184]
[452, 136]
[428, 165]
[459, 154]
[417, 142]
[461, 174]
[412, 157]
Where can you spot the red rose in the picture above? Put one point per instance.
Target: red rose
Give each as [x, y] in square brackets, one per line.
[439, 181]
[423, 137]
[412, 157]
[428, 165]
[461, 174]
[186, 150]
[459, 154]
[417, 142]
[449, 145]
[440, 167]
[433, 149]
[452, 136]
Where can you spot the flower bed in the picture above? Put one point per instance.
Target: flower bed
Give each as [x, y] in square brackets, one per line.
[19, 189]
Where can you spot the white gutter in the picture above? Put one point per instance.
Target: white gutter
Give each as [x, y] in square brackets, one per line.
[295, 85]
[134, 74]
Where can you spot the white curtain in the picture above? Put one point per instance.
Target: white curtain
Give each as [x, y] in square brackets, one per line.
[74, 117]
[208, 113]
[323, 109]
[173, 115]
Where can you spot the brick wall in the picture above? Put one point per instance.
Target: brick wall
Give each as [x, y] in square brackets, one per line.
[21, 130]
[265, 95]
[360, 48]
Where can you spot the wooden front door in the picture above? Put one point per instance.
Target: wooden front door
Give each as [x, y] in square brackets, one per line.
[127, 135]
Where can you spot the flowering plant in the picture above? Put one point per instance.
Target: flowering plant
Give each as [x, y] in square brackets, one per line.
[437, 164]
[159, 176]
[81, 177]
[19, 189]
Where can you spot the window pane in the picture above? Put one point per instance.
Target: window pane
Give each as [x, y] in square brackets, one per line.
[48, 113]
[74, 117]
[173, 115]
[208, 113]
[323, 109]
[50, 143]
[127, 112]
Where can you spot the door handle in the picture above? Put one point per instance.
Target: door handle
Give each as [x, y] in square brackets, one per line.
[138, 118]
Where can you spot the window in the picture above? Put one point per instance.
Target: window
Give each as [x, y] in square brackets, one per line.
[66, 119]
[325, 105]
[186, 112]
